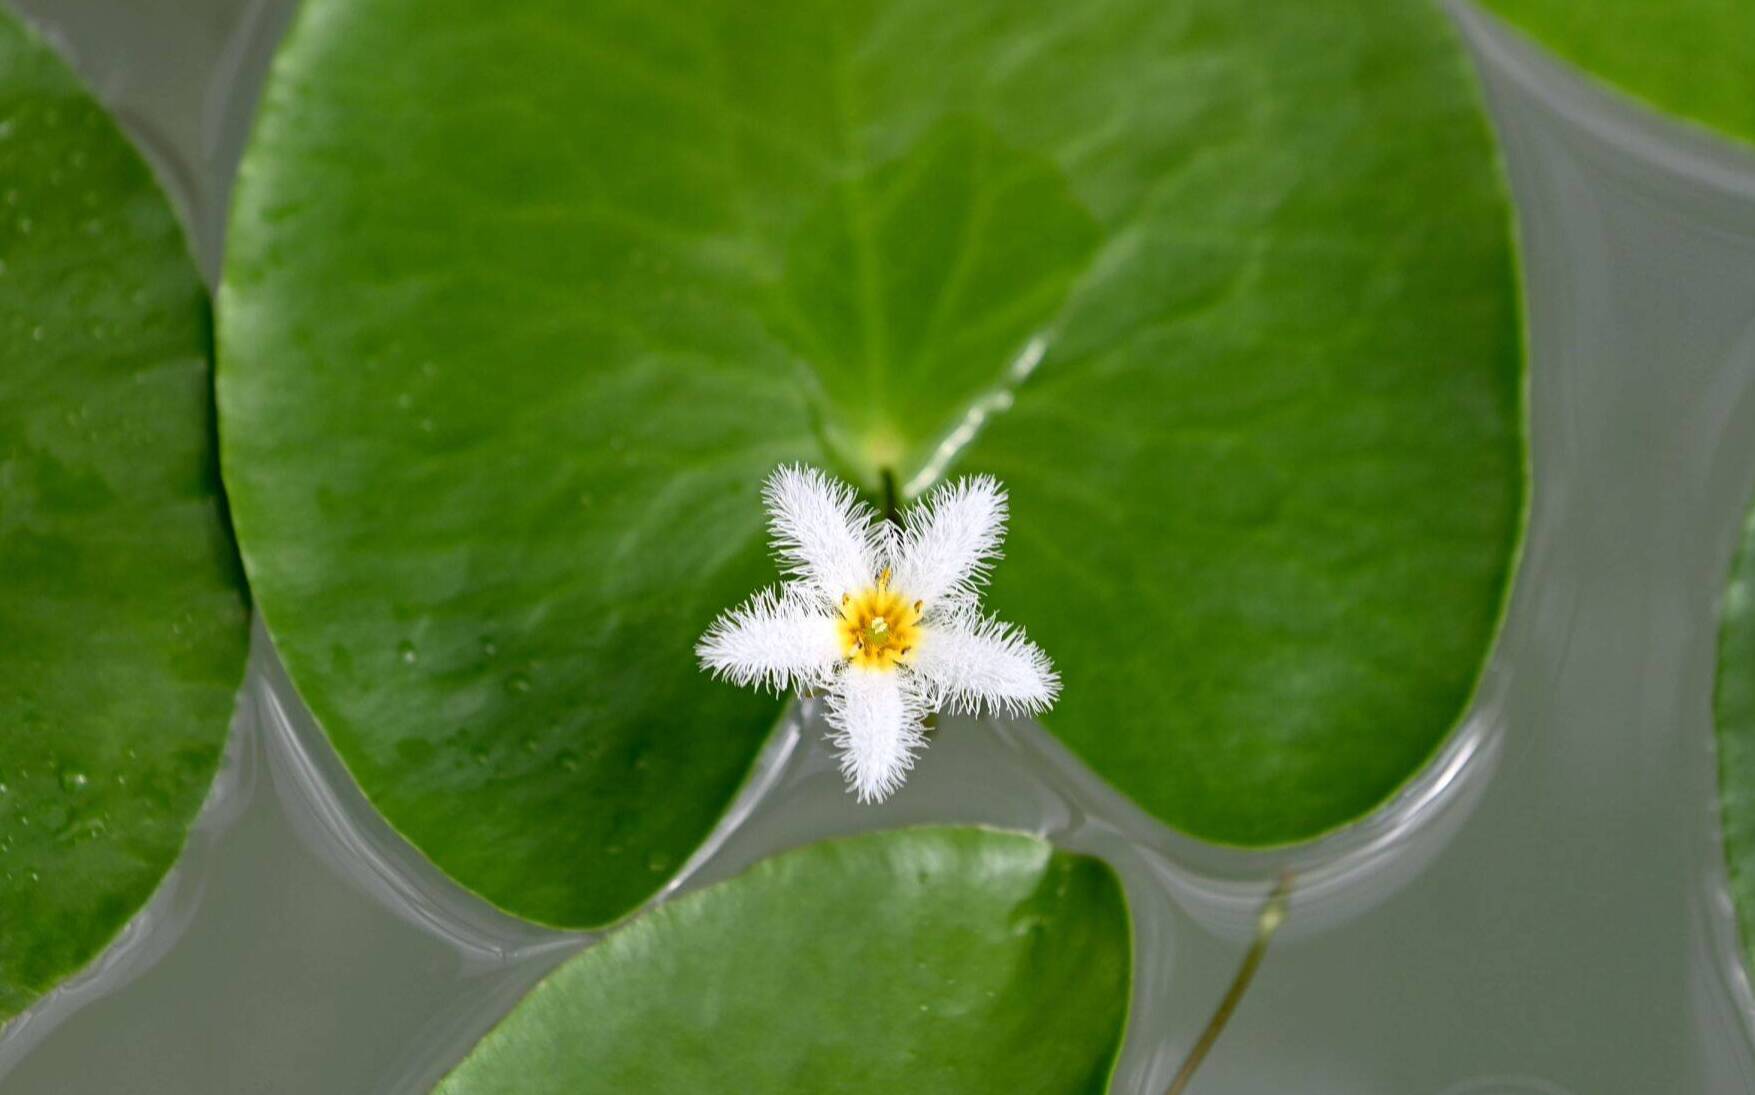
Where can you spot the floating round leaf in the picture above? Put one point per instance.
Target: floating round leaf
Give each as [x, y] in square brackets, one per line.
[920, 960]
[122, 622]
[512, 331]
[1691, 58]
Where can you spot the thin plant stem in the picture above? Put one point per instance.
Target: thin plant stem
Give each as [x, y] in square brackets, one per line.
[891, 514]
[1273, 912]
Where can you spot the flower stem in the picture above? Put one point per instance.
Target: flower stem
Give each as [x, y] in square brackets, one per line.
[890, 512]
[1273, 911]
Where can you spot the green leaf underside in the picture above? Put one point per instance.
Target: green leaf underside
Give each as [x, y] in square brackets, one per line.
[513, 330]
[122, 623]
[920, 960]
[1691, 58]
[1734, 715]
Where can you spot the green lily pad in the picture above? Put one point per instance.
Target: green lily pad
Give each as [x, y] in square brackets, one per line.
[1691, 58]
[920, 960]
[1734, 714]
[513, 328]
[122, 634]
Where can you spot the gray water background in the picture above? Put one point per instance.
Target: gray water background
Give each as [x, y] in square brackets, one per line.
[1543, 913]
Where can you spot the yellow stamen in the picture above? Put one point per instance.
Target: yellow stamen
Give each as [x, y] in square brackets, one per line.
[879, 627]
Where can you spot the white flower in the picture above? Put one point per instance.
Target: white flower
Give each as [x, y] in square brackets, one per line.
[885, 621]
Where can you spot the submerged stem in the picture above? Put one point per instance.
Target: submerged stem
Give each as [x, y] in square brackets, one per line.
[1273, 911]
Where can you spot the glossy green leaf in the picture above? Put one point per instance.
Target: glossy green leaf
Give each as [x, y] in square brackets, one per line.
[513, 328]
[1734, 713]
[922, 960]
[121, 618]
[1692, 58]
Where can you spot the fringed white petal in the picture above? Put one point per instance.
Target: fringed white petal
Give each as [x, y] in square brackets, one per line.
[950, 542]
[969, 664]
[776, 639]
[877, 728]
[823, 533]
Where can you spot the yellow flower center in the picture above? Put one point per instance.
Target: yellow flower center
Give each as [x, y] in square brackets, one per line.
[879, 626]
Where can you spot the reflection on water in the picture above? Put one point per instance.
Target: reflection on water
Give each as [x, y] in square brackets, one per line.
[1542, 912]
